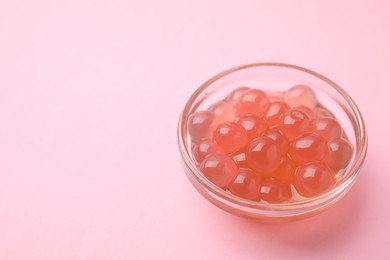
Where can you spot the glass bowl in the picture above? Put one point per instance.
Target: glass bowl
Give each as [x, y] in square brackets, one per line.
[275, 78]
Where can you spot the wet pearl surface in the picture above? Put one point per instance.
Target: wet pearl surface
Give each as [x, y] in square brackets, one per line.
[253, 102]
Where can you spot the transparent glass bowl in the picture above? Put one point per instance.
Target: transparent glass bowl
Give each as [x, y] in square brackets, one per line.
[275, 78]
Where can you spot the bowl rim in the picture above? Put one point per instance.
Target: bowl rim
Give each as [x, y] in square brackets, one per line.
[312, 203]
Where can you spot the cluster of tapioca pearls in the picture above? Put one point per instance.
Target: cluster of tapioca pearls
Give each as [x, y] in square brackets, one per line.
[262, 147]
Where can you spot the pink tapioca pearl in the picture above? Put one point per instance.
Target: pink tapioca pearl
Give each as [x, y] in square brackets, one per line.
[264, 155]
[204, 148]
[245, 185]
[252, 102]
[313, 179]
[274, 112]
[328, 128]
[301, 95]
[340, 152]
[220, 169]
[274, 191]
[294, 123]
[235, 95]
[224, 111]
[254, 126]
[307, 148]
[231, 137]
[201, 124]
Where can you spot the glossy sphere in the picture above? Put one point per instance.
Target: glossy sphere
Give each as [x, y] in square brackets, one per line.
[235, 95]
[219, 169]
[313, 179]
[286, 171]
[245, 185]
[274, 191]
[241, 158]
[280, 140]
[231, 137]
[328, 128]
[263, 155]
[301, 95]
[224, 111]
[254, 126]
[274, 112]
[204, 148]
[339, 154]
[201, 125]
[294, 123]
[252, 102]
[307, 148]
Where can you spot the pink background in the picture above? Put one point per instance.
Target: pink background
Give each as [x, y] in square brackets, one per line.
[90, 94]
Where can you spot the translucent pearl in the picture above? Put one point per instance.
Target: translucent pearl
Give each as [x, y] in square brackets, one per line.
[274, 112]
[241, 158]
[201, 125]
[307, 148]
[301, 95]
[294, 123]
[313, 179]
[254, 126]
[274, 191]
[252, 102]
[340, 152]
[204, 148]
[245, 185]
[231, 137]
[328, 128]
[224, 111]
[235, 95]
[219, 169]
[264, 155]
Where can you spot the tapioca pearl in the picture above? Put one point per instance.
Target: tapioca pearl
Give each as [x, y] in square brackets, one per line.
[245, 185]
[252, 102]
[201, 124]
[301, 95]
[231, 137]
[328, 128]
[339, 154]
[254, 126]
[274, 191]
[224, 111]
[240, 157]
[263, 155]
[294, 123]
[313, 179]
[286, 171]
[204, 148]
[235, 95]
[308, 148]
[220, 169]
[274, 112]
[281, 141]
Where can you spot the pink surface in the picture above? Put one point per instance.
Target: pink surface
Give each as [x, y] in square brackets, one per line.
[90, 94]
